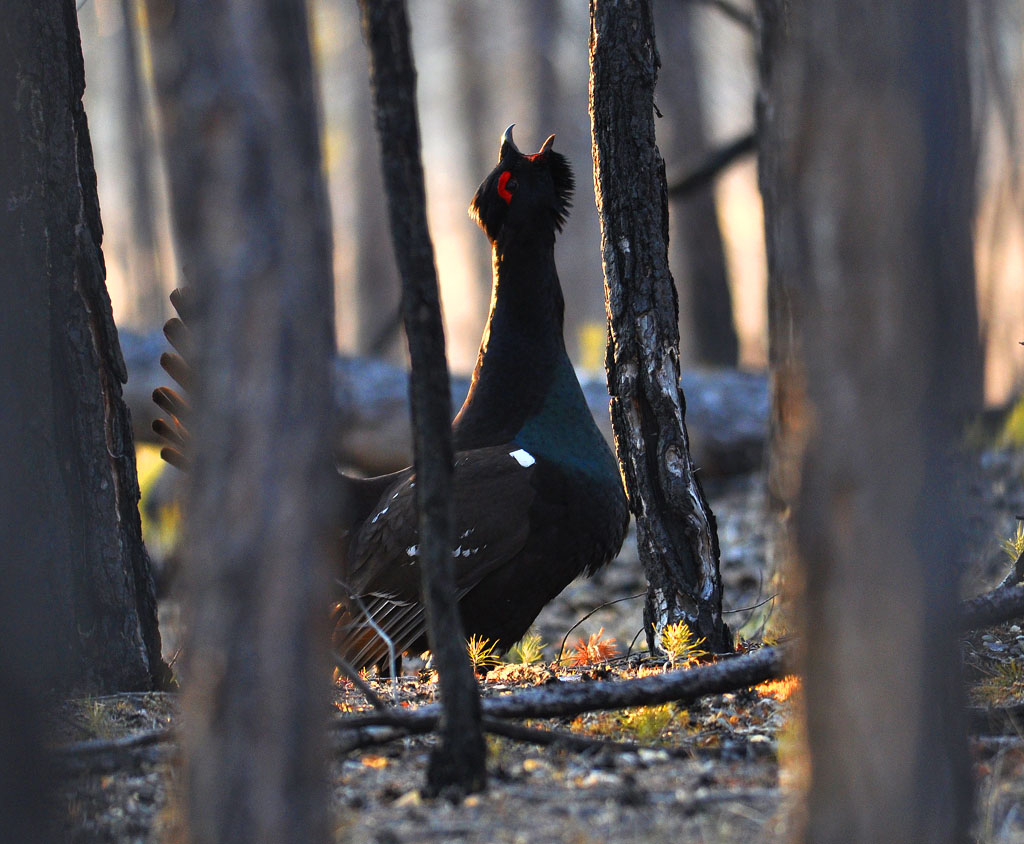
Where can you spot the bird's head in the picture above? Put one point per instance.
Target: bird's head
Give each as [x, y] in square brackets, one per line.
[524, 192]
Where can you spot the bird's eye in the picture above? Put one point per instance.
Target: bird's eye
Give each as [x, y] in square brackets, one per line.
[506, 186]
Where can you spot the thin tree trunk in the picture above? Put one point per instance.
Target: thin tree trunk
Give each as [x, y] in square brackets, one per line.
[676, 529]
[146, 285]
[459, 761]
[238, 105]
[867, 176]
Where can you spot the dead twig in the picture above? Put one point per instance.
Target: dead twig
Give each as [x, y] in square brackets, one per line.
[356, 679]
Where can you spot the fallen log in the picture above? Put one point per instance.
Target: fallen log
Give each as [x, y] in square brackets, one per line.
[727, 410]
[559, 700]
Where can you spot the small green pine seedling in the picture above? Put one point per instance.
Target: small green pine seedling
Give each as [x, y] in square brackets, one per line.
[482, 653]
[648, 723]
[680, 645]
[529, 649]
[1014, 546]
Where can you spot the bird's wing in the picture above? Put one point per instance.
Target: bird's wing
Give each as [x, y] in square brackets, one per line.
[492, 495]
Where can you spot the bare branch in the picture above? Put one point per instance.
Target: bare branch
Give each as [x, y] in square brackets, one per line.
[715, 162]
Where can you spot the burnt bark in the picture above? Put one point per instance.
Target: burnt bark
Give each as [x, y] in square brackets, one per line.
[866, 165]
[237, 99]
[77, 608]
[72, 525]
[676, 530]
[458, 763]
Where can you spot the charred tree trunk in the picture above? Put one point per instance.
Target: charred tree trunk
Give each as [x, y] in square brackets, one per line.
[72, 526]
[238, 106]
[869, 194]
[676, 529]
[707, 333]
[459, 761]
[77, 609]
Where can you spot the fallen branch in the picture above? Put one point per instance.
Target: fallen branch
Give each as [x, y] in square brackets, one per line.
[1016, 573]
[733, 13]
[569, 699]
[716, 161]
[996, 607]
[108, 754]
[571, 741]
[995, 720]
[727, 410]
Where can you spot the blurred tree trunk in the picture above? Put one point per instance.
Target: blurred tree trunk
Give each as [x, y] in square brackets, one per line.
[146, 284]
[458, 762]
[707, 333]
[73, 486]
[676, 530]
[868, 181]
[238, 104]
[378, 286]
[962, 356]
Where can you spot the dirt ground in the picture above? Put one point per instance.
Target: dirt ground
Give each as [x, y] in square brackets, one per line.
[711, 772]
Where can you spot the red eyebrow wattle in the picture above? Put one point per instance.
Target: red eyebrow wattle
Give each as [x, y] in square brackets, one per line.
[503, 191]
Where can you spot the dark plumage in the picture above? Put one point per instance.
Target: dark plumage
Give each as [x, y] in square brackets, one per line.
[538, 498]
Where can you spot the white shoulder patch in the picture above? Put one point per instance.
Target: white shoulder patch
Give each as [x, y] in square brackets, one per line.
[522, 457]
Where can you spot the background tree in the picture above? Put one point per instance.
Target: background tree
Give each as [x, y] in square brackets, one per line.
[696, 253]
[238, 106]
[676, 530]
[144, 262]
[866, 169]
[459, 761]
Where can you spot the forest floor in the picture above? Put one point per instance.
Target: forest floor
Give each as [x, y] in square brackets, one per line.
[723, 769]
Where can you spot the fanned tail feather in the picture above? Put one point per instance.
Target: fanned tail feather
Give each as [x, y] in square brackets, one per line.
[171, 428]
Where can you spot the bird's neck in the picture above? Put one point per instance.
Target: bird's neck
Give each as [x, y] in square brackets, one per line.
[522, 351]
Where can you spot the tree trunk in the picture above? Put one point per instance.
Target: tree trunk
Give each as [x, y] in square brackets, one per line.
[238, 104]
[146, 284]
[868, 195]
[676, 530]
[696, 252]
[72, 487]
[458, 763]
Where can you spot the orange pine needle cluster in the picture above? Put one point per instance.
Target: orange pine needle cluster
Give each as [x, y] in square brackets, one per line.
[593, 650]
[781, 689]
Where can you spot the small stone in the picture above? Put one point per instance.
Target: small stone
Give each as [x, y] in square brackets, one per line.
[410, 798]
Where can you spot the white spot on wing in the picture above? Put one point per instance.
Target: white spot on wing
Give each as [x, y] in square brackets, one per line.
[522, 457]
[412, 550]
[373, 521]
